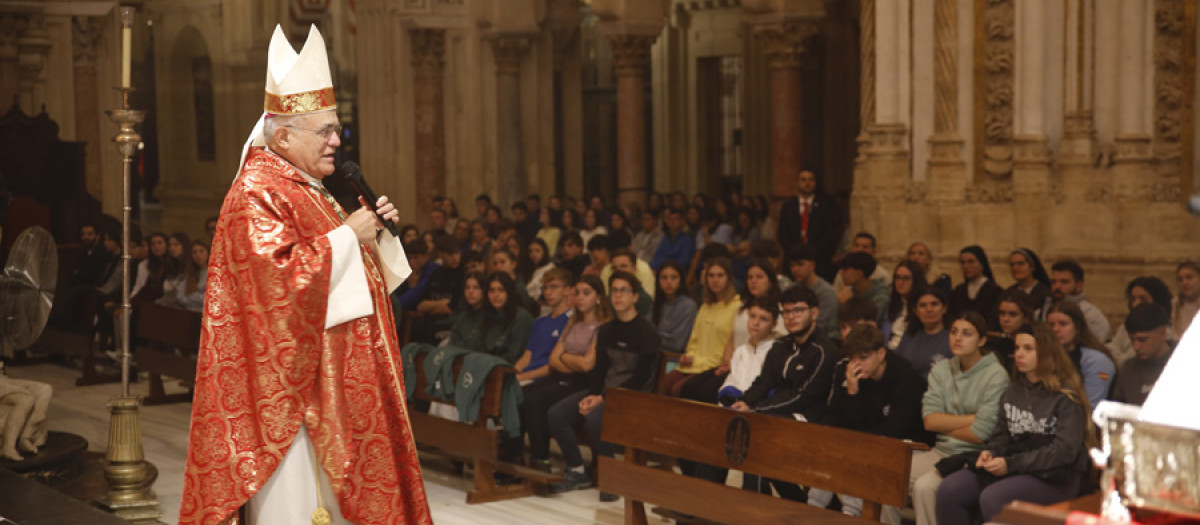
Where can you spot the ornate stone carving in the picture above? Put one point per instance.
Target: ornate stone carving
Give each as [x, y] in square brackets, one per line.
[33, 48]
[631, 53]
[785, 42]
[990, 192]
[945, 67]
[916, 191]
[1165, 191]
[888, 140]
[508, 51]
[1169, 77]
[85, 33]
[428, 48]
[999, 49]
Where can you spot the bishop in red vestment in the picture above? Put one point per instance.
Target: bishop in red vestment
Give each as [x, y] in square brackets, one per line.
[298, 343]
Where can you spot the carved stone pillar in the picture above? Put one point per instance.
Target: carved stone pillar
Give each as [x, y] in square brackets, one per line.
[947, 171]
[866, 100]
[428, 48]
[631, 59]
[994, 125]
[11, 26]
[565, 39]
[1171, 75]
[784, 44]
[1031, 154]
[508, 51]
[32, 48]
[85, 33]
[1133, 156]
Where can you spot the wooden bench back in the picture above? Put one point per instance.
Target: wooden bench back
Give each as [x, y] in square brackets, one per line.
[166, 325]
[846, 462]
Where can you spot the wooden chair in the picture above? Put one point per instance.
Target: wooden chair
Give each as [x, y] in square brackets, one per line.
[842, 461]
[474, 442]
[172, 341]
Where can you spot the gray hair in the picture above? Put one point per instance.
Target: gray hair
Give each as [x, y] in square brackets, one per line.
[275, 122]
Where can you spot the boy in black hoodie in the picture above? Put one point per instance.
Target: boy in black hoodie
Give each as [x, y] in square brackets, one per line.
[874, 391]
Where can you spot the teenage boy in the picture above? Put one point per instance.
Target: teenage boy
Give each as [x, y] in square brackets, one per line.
[874, 391]
[795, 377]
[627, 353]
[544, 333]
[1147, 327]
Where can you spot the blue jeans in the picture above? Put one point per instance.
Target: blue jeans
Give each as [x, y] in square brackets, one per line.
[563, 417]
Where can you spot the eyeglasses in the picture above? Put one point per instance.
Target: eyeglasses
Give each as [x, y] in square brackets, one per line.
[621, 291]
[325, 132]
[799, 310]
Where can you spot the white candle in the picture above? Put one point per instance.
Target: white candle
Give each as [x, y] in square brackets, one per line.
[126, 51]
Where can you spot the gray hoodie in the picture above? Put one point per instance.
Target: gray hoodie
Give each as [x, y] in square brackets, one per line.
[1042, 432]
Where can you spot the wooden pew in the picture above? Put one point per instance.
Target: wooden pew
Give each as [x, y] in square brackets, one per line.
[171, 343]
[74, 336]
[846, 462]
[473, 442]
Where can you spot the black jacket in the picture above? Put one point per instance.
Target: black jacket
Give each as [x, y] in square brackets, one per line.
[889, 407]
[1042, 433]
[795, 377]
[824, 229]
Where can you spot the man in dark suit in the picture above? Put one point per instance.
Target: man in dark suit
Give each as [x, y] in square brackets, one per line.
[811, 218]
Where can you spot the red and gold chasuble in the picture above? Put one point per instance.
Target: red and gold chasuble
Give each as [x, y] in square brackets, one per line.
[268, 365]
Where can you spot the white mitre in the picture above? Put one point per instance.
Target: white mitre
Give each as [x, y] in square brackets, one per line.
[297, 83]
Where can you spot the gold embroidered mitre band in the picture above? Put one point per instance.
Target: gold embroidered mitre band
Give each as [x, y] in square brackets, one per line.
[299, 103]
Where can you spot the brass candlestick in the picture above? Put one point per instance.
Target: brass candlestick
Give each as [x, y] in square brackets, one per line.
[129, 496]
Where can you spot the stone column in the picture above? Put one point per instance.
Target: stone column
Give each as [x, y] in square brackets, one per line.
[85, 33]
[1076, 149]
[1133, 156]
[631, 58]
[866, 78]
[11, 26]
[32, 48]
[565, 38]
[1031, 155]
[947, 171]
[428, 48]
[784, 45]
[508, 51]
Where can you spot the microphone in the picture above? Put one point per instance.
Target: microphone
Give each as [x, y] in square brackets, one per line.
[353, 174]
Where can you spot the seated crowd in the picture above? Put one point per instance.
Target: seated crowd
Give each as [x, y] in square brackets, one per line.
[581, 297]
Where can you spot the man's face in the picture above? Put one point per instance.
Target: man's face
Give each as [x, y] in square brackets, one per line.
[869, 362]
[1150, 344]
[623, 264]
[437, 219]
[862, 244]
[807, 183]
[622, 296]
[851, 276]
[554, 292]
[519, 215]
[310, 142]
[451, 259]
[674, 222]
[649, 222]
[533, 204]
[570, 250]
[798, 316]
[801, 270]
[87, 234]
[481, 206]
[599, 256]
[1063, 283]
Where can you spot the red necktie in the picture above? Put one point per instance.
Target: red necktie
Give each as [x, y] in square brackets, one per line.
[804, 222]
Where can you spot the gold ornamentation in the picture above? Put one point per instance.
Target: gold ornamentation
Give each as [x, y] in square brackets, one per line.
[298, 103]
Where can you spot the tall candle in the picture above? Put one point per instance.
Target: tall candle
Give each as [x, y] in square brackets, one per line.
[126, 51]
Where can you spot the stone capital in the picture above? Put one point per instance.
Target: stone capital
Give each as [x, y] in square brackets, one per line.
[631, 53]
[887, 140]
[1132, 148]
[85, 34]
[785, 42]
[946, 149]
[1031, 151]
[508, 51]
[428, 48]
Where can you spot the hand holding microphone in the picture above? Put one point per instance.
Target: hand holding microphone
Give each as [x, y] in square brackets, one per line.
[377, 206]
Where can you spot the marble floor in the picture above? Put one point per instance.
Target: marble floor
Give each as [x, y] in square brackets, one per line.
[81, 410]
